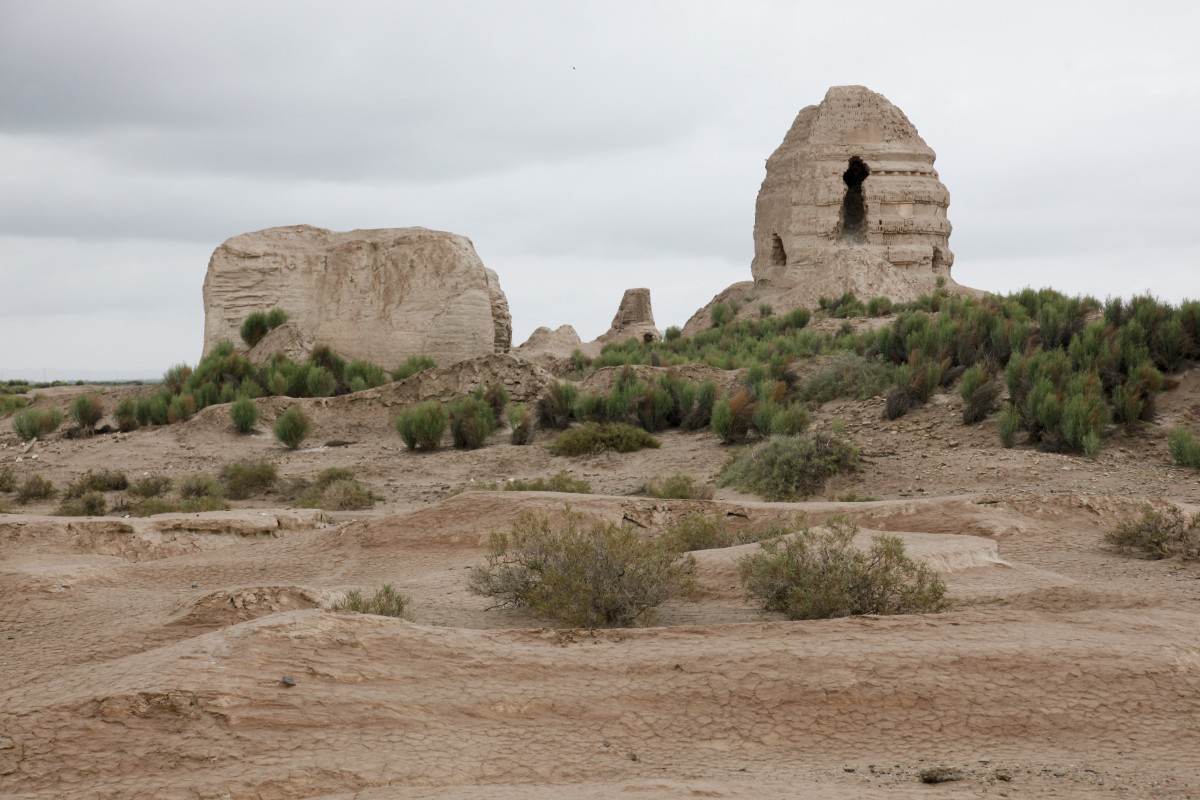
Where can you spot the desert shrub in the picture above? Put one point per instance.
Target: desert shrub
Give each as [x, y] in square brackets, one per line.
[11, 402]
[360, 375]
[254, 328]
[244, 414]
[1009, 424]
[591, 437]
[556, 406]
[496, 396]
[103, 480]
[979, 393]
[8, 481]
[150, 486]
[698, 414]
[35, 487]
[847, 375]
[559, 482]
[126, 415]
[149, 506]
[37, 422]
[320, 382]
[790, 467]
[385, 601]
[199, 485]
[879, 306]
[276, 317]
[720, 314]
[411, 366]
[88, 504]
[821, 575]
[593, 575]
[698, 531]
[1185, 449]
[765, 310]
[87, 410]
[422, 426]
[334, 489]
[292, 426]
[1158, 534]
[242, 479]
[843, 307]
[520, 419]
[733, 418]
[677, 487]
[790, 421]
[672, 333]
[471, 422]
[181, 408]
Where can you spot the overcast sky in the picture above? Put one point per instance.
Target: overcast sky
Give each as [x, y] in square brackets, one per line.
[584, 147]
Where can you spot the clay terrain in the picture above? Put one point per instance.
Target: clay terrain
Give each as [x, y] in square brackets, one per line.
[197, 656]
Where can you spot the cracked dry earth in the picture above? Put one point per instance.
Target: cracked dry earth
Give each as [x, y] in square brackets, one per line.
[144, 658]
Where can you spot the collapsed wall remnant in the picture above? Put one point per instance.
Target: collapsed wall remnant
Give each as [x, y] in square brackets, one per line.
[381, 295]
[634, 319]
[850, 202]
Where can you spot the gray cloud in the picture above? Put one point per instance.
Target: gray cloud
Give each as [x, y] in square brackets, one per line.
[583, 148]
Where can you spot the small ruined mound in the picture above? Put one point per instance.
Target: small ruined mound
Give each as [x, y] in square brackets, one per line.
[523, 380]
[286, 340]
[560, 341]
[381, 295]
[601, 381]
[851, 202]
[231, 606]
[634, 319]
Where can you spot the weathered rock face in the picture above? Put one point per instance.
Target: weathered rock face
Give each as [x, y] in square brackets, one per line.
[559, 342]
[850, 202]
[634, 319]
[381, 295]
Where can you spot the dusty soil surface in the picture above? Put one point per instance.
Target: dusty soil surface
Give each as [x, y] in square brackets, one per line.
[146, 657]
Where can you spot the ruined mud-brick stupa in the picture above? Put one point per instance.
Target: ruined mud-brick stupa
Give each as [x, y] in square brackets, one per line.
[850, 202]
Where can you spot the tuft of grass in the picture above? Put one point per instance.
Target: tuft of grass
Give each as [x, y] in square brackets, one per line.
[412, 366]
[150, 486]
[559, 482]
[149, 506]
[292, 426]
[585, 574]
[520, 419]
[37, 422]
[244, 414]
[103, 480]
[89, 504]
[591, 438]
[471, 422]
[790, 467]
[1185, 448]
[698, 531]
[677, 487]
[1158, 534]
[334, 489]
[12, 402]
[818, 574]
[386, 601]
[126, 415]
[848, 375]
[422, 426]
[194, 486]
[242, 479]
[34, 487]
[556, 407]
[86, 410]
[979, 392]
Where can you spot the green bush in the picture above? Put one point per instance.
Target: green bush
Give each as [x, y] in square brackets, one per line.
[593, 575]
[842, 307]
[412, 366]
[360, 375]
[422, 426]
[385, 602]
[1158, 534]
[181, 408]
[103, 480]
[556, 406]
[698, 531]
[37, 422]
[521, 421]
[677, 487]
[879, 306]
[496, 396]
[35, 487]
[292, 426]
[276, 317]
[847, 375]
[126, 415]
[1185, 449]
[242, 479]
[559, 482]
[790, 467]
[11, 402]
[471, 423]
[194, 486]
[720, 314]
[86, 410]
[88, 504]
[254, 328]
[822, 575]
[320, 382]
[672, 333]
[244, 414]
[979, 393]
[733, 418]
[790, 421]
[591, 438]
[150, 486]
[698, 414]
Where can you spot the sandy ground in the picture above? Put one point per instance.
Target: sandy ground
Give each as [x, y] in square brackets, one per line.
[143, 658]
